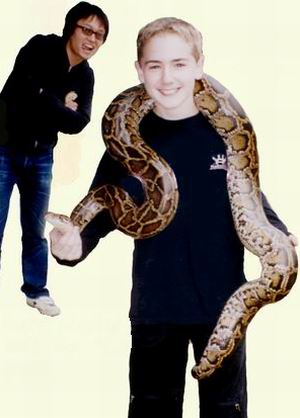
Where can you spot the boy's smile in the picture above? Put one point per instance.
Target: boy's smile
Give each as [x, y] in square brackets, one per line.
[168, 70]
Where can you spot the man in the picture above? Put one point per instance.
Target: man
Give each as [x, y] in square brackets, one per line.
[49, 90]
[183, 276]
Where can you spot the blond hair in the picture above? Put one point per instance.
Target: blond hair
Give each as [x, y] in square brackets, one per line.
[170, 25]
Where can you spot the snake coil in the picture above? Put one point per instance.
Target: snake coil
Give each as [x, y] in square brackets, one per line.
[276, 253]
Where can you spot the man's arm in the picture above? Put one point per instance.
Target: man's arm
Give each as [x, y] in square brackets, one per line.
[66, 119]
[23, 84]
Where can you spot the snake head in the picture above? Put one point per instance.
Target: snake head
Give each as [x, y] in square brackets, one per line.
[59, 221]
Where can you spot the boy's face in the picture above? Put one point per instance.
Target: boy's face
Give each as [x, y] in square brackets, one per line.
[168, 70]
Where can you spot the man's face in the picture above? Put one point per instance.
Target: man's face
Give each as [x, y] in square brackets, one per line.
[85, 40]
[168, 70]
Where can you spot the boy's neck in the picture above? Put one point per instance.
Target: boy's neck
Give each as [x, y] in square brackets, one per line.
[173, 115]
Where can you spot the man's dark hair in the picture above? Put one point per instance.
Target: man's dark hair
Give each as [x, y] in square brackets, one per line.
[81, 11]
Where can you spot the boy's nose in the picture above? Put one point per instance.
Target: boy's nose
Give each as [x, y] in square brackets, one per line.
[166, 75]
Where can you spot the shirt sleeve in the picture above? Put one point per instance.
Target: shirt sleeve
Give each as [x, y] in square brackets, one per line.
[109, 171]
[272, 216]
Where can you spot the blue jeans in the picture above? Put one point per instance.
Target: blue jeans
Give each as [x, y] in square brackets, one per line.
[32, 173]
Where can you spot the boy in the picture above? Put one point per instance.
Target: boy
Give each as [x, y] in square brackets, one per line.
[182, 276]
[49, 90]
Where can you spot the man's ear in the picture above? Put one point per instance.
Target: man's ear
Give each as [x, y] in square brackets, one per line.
[199, 69]
[139, 71]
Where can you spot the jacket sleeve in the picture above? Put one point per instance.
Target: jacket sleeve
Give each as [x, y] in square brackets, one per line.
[24, 82]
[67, 120]
[272, 216]
[29, 83]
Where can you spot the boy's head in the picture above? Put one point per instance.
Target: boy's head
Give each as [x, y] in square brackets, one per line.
[173, 25]
[170, 59]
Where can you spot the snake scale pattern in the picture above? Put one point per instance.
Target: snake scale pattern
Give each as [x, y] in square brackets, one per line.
[121, 137]
[277, 255]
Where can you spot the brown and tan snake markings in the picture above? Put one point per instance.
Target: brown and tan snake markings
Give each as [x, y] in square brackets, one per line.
[276, 253]
[121, 135]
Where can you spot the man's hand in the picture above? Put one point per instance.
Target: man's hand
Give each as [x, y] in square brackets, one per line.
[70, 100]
[66, 242]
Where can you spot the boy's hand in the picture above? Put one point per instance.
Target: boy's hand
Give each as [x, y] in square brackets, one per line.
[66, 243]
[70, 100]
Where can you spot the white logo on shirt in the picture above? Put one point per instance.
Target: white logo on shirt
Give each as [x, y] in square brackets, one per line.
[220, 162]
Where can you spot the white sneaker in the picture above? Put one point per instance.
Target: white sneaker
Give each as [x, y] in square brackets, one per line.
[44, 304]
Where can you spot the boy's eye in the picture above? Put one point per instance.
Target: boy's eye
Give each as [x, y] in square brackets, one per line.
[180, 64]
[154, 67]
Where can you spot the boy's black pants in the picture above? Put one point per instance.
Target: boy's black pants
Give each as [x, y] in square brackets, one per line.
[157, 374]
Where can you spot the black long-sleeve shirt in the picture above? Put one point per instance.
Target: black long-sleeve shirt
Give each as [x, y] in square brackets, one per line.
[186, 272]
[32, 100]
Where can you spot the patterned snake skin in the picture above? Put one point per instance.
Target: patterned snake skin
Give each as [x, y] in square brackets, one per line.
[120, 132]
[276, 253]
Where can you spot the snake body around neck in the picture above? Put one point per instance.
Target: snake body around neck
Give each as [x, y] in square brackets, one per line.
[276, 253]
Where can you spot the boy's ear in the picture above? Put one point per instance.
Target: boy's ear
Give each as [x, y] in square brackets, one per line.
[139, 71]
[200, 65]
